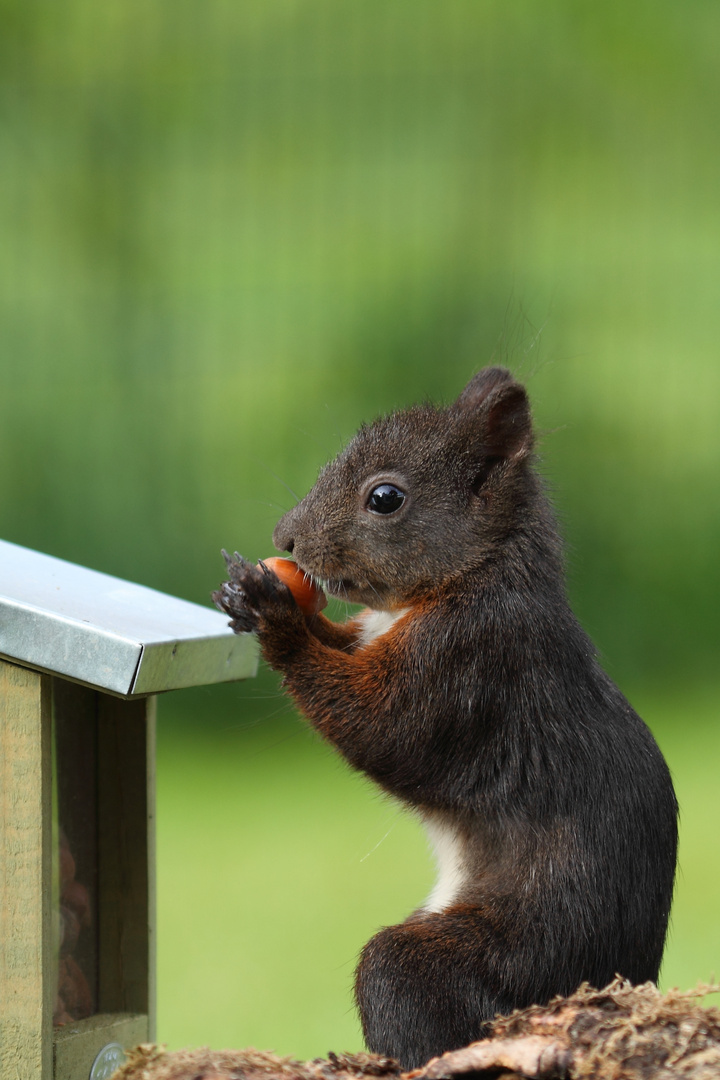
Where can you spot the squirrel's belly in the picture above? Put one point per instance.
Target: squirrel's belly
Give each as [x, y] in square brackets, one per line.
[451, 857]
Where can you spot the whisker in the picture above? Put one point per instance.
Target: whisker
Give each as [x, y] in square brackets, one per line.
[279, 479]
[380, 841]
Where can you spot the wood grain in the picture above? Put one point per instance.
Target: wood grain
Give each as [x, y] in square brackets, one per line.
[27, 988]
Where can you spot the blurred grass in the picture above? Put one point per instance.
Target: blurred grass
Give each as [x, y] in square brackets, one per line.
[230, 233]
[283, 864]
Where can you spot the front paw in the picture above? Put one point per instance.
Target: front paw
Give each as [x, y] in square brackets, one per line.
[254, 597]
[232, 598]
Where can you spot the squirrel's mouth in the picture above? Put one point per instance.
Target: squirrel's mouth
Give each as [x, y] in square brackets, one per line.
[340, 588]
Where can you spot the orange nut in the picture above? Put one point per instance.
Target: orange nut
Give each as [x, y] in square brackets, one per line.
[308, 597]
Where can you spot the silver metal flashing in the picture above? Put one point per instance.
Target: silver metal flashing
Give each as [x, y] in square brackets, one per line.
[109, 633]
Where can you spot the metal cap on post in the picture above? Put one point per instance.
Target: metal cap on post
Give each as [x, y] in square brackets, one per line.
[111, 634]
[81, 656]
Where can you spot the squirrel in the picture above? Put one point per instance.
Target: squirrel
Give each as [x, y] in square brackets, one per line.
[467, 690]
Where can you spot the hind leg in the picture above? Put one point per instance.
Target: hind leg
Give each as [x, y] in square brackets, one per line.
[428, 986]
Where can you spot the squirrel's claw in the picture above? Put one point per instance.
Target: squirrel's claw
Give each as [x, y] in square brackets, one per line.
[252, 595]
[232, 601]
[236, 565]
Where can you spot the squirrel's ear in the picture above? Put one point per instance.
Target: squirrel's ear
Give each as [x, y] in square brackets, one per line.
[508, 425]
[482, 384]
[501, 413]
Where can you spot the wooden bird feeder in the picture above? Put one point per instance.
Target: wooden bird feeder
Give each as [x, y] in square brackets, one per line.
[82, 655]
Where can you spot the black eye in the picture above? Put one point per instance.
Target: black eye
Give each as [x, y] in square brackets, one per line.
[385, 499]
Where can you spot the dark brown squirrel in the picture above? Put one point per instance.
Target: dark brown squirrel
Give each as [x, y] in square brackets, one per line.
[468, 690]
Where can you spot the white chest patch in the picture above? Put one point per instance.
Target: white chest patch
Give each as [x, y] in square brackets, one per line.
[376, 623]
[449, 851]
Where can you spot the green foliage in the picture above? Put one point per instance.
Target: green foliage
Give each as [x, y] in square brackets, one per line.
[233, 231]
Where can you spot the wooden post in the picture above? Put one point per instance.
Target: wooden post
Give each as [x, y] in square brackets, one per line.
[26, 970]
[80, 654]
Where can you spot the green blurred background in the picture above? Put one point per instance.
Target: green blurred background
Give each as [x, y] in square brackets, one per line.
[231, 231]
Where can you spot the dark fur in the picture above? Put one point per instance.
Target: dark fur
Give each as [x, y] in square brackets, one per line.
[483, 707]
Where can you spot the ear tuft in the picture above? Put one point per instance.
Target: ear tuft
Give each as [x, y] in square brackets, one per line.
[481, 385]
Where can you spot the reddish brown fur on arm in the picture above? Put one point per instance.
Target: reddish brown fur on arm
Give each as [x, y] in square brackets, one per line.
[363, 699]
[343, 636]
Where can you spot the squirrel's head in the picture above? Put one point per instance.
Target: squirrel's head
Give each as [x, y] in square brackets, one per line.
[418, 497]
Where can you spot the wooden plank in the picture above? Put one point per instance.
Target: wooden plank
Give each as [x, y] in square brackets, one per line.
[126, 870]
[78, 1045]
[27, 989]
